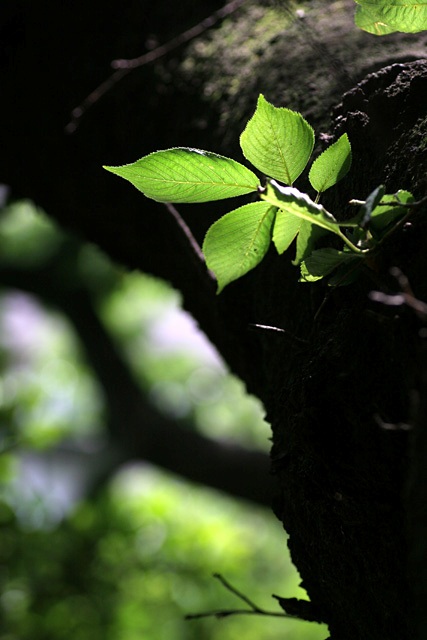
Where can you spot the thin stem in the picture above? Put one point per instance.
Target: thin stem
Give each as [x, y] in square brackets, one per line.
[407, 205]
[193, 245]
[123, 67]
[182, 38]
[352, 246]
[237, 593]
[333, 227]
[265, 327]
[254, 609]
[186, 231]
[233, 612]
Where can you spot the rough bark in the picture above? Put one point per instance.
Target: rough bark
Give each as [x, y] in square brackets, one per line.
[342, 476]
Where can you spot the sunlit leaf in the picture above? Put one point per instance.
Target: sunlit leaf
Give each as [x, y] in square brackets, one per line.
[287, 227]
[188, 175]
[277, 141]
[299, 204]
[384, 16]
[382, 215]
[238, 241]
[332, 165]
[321, 262]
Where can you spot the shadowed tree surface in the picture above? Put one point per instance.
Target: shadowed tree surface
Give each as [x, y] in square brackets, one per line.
[348, 475]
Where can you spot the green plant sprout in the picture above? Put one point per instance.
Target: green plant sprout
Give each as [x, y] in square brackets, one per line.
[279, 143]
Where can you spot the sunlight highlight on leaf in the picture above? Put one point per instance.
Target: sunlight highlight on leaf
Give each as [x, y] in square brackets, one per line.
[331, 166]
[238, 241]
[277, 141]
[381, 17]
[188, 175]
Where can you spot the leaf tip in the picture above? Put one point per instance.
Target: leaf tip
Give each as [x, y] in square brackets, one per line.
[115, 170]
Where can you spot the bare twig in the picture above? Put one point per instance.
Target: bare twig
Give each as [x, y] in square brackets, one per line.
[391, 426]
[406, 296]
[237, 593]
[407, 205]
[254, 609]
[265, 327]
[192, 243]
[93, 97]
[123, 67]
[182, 38]
[186, 231]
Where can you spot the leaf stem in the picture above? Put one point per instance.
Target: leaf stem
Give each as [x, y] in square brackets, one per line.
[349, 243]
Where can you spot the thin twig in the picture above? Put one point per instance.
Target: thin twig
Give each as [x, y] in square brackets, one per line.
[182, 38]
[236, 612]
[254, 609]
[123, 67]
[93, 97]
[186, 230]
[265, 327]
[237, 593]
[407, 205]
[194, 245]
[405, 297]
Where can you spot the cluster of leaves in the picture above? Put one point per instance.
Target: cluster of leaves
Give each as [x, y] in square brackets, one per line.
[384, 16]
[279, 143]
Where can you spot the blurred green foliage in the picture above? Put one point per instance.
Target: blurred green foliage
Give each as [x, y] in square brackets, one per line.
[128, 560]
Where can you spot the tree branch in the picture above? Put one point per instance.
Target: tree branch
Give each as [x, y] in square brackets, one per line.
[133, 424]
[123, 67]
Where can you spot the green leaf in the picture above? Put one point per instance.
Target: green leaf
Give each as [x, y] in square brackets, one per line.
[238, 241]
[382, 216]
[287, 227]
[308, 236]
[188, 175]
[365, 211]
[277, 141]
[332, 165]
[384, 16]
[321, 262]
[300, 205]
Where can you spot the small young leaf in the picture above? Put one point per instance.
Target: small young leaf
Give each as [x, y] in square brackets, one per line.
[382, 215]
[238, 241]
[287, 226]
[385, 16]
[321, 262]
[366, 209]
[188, 175]
[332, 165]
[277, 141]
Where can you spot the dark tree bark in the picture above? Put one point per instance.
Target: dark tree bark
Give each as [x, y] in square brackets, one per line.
[349, 475]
